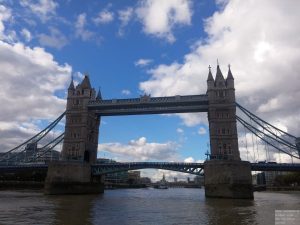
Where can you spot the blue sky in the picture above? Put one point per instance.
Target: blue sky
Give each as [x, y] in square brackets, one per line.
[162, 48]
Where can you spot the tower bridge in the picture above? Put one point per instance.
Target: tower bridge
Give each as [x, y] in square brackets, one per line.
[226, 175]
[149, 105]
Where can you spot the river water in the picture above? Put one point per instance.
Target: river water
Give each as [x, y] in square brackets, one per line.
[141, 206]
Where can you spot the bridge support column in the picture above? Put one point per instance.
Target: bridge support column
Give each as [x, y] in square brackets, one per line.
[228, 179]
[72, 178]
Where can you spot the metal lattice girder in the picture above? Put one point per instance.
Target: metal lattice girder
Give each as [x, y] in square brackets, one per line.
[150, 105]
[295, 167]
[268, 129]
[191, 168]
[48, 147]
[15, 152]
[277, 144]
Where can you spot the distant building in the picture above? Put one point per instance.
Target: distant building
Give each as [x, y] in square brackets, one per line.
[199, 180]
[271, 175]
[145, 180]
[134, 177]
[116, 178]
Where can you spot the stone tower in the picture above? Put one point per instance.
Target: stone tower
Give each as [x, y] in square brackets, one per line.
[82, 126]
[221, 116]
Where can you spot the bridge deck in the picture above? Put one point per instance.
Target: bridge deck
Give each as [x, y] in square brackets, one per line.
[150, 105]
[191, 168]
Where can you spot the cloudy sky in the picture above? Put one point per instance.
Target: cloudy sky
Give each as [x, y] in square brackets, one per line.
[157, 47]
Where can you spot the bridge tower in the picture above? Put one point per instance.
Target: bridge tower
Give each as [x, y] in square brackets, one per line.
[221, 116]
[82, 126]
[73, 174]
[226, 176]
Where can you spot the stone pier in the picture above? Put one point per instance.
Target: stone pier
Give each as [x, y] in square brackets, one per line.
[228, 179]
[72, 178]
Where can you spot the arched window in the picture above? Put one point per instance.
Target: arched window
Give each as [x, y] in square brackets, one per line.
[220, 149]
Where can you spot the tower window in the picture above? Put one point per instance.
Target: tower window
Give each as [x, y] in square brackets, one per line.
[220, 149]
[229, 149]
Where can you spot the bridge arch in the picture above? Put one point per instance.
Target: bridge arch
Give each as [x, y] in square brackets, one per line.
[190, 168]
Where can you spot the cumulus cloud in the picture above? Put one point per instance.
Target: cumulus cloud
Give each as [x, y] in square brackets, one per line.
[30, 78]
[156, 175]
[26, 34]
[124, 15]
[264, 51]
[80, 28]
[143, 62]
[202, 131]
[126, 92]
[104, 17]
[5, 15]
[179, 130]
[55, 39]
[141, 150]
[192, 160]
[160, 17]
[44, 9]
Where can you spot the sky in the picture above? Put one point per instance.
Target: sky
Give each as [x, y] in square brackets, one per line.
[158, 47]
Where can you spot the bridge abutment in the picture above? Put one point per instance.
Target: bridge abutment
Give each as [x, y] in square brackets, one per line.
[228, 179]
[72, 178]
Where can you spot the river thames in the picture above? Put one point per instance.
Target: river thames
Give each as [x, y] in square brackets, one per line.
[141, 206]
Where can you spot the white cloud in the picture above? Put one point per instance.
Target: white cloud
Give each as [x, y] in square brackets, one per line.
[44, 9]
[126, 92]
[125, 15]
[159, 17]
[30, 77]
[264, 50]
[189, 160]
[156, 175]
[81, 31]
[56, 39]
[5, 15]
[143, 62]
[104, 17]
[141, 150]
[179, 130]
[202, 131]
[26, 34]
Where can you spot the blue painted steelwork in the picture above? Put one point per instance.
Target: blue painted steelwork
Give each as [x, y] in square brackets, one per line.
[150, 105]
[191, 168]
[292, 167]
[273, 136]
[19, 153]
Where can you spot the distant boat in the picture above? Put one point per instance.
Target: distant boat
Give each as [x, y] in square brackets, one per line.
[162, 184]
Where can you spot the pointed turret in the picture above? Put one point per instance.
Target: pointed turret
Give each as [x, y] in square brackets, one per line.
[71, 86]
[99, 95]
[210, 79]
[220, 81]
[85, 84]
[229, 79]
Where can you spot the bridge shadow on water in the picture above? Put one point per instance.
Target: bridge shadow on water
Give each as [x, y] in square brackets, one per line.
[230, 211]
[73, 209]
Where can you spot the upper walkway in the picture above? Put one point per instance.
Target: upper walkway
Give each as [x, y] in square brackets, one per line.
[150, 105]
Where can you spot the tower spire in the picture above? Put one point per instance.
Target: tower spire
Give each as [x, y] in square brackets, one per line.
[71, 86]
[229, 75]
[219, 75]
[210, 76]
[99, 95]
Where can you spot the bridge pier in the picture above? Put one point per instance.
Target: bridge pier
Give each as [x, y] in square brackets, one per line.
[228, 179]
[72, 178]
